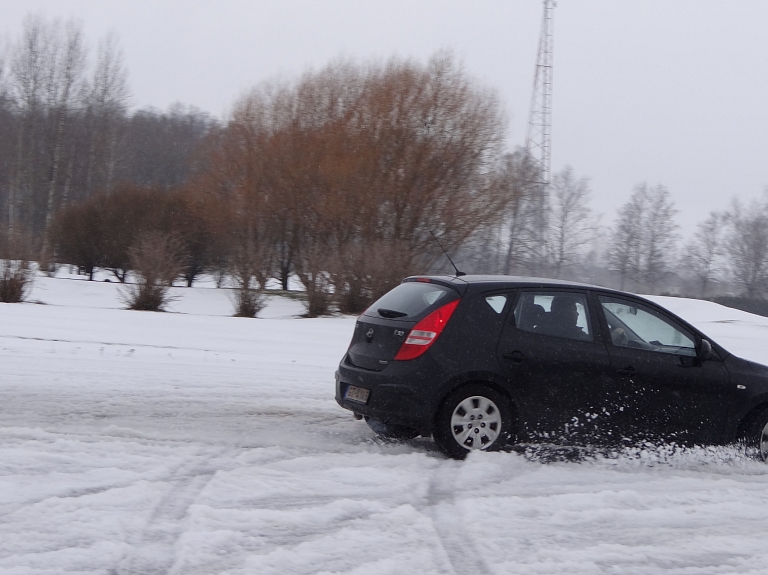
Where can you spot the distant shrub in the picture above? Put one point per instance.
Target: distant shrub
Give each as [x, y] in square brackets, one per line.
[312, 268]
[157, 259]
[100, 231]
[248, 301]
[16, 277]
[78, 235]
[17, 272]
[249, 270]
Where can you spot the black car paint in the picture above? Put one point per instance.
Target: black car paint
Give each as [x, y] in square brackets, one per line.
[557, 381]
[562, 390]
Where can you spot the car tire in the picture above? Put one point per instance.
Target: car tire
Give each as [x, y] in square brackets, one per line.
[391, 430]
[755, 435]
[473, 417]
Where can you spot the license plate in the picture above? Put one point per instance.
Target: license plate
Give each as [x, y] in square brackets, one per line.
[358, 394]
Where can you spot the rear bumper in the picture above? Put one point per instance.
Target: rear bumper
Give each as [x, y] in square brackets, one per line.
[404, 398]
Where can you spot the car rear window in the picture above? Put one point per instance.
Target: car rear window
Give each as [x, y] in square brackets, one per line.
[410, 299]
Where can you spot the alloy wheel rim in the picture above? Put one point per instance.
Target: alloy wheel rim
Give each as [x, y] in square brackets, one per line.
[476, 423]
[764, 443]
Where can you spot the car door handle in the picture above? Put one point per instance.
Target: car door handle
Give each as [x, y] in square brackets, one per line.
[629, 370]
[516, 356]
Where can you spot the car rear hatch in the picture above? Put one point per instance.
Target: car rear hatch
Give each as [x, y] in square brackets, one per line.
[382, 329]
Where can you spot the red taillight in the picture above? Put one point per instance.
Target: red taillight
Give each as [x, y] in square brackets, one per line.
[425, 332]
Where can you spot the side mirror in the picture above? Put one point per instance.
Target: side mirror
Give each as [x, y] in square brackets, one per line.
[705, 351]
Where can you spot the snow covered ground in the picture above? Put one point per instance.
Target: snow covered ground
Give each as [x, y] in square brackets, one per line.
[193, 442]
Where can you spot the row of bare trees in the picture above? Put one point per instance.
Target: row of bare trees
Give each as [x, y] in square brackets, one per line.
[102, 231]
[726, 255]
[67, 132]
[343, 178]
[551, 231]
[732, 245]
[541, 230]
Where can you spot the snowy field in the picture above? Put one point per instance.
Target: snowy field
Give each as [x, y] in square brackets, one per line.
[196, 443]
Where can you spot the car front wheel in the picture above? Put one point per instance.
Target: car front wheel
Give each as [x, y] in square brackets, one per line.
[474, 417]
[756, 436]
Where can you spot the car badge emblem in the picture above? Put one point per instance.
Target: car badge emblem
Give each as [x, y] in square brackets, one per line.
[369, 335]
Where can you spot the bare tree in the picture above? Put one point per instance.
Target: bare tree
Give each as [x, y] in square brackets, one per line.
[644, 238]
[251, 264]
[570, 224]
[7, 120]
[660, 237]
[28, 83]
[747, 246]
[3, 79]
[316, 256]
[47, 67]
[515, 177]
[353, 158]
[107, 103]
[67, 64]
[705, 250]
[625, 244]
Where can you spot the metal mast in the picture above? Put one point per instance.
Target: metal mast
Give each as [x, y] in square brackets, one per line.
[527, 233]
[538, 139]
[538, 143]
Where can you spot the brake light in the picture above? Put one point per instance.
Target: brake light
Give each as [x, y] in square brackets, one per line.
[424, 333]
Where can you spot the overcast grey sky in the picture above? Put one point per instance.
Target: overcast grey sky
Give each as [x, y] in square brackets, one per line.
[664, 91]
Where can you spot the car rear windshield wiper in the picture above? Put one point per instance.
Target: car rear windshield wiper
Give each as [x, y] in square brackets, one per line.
[390, 313]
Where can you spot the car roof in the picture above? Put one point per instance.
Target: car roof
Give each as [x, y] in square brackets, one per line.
[500, 281]
[512, 280]
[497, 281]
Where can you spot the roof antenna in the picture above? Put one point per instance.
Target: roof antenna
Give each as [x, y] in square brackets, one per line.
[458, 273]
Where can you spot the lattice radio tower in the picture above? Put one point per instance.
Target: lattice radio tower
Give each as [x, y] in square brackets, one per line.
[538, 139]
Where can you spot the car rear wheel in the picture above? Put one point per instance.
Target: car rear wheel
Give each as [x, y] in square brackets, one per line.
[474, 417]
[755, 435]
[391, 430]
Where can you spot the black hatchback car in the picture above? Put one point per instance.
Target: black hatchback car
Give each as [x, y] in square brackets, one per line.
[481, 361]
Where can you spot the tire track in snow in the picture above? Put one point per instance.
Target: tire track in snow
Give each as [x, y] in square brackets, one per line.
[463, 555]
[154, 553]
[105, 343]
[9, 509]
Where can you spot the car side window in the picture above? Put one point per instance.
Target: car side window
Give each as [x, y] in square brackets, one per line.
[558, 314]
[637, 326]
[497, 302]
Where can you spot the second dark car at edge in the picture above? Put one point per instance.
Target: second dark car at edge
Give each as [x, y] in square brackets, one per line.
[479, 362]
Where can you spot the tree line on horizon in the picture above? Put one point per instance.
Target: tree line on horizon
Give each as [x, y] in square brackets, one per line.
[344, 178]
[347, 178]
[67, 132]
